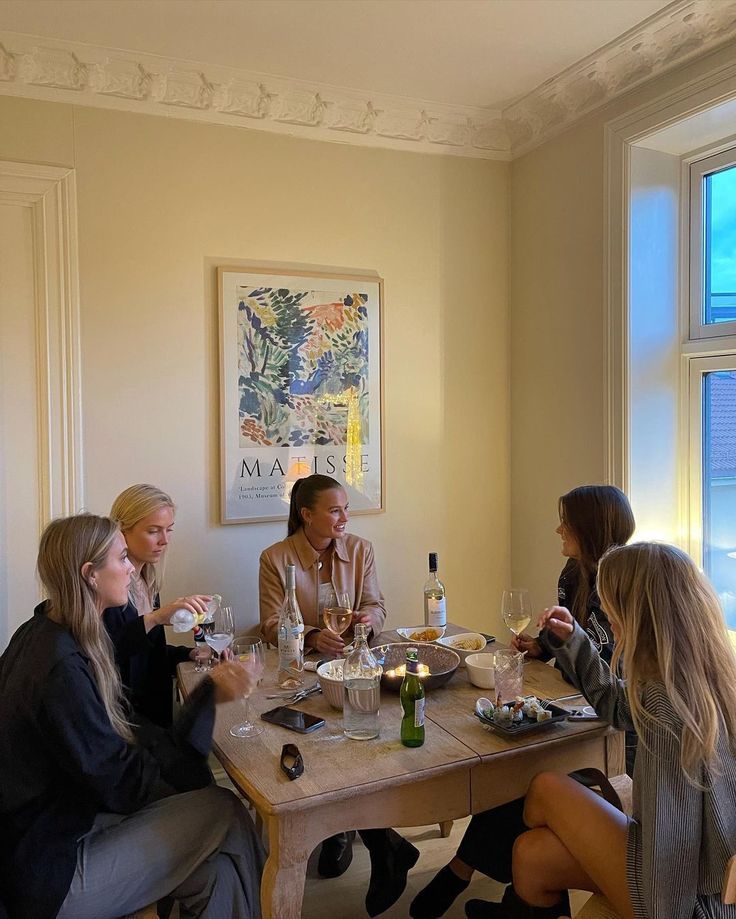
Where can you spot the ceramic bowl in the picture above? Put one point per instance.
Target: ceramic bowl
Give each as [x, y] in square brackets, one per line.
[329, 675]
[475, 640]
[442, 663]
[481, 670]
[410, 634]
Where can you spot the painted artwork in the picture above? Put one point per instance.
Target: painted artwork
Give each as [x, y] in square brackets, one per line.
[301, 382]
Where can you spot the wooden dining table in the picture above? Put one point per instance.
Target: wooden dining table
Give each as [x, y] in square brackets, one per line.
[461, 768]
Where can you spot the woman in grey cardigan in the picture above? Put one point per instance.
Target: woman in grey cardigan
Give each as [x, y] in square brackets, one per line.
[668, 861]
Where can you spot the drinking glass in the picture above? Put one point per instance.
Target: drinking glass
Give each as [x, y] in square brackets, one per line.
[208, 626]
[509, 674]
[222, 632]
[337, 613]
[250, 652]
[516, 609]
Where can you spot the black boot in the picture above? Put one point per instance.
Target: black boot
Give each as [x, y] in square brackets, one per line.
[438, 896]
[336, 855]
[513, 907]
[391, 858]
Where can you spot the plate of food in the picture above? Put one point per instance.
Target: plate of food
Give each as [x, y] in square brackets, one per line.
[422, 633]
[525, 714]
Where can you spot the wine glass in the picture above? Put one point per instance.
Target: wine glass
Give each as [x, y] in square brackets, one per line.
[337, 613]
[223, 630]
[516, 609]
[208, 626]
[249, 651]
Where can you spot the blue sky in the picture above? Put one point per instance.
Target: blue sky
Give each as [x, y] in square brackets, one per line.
[723, 231]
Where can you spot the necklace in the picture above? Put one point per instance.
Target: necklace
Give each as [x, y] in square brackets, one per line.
[320, 563]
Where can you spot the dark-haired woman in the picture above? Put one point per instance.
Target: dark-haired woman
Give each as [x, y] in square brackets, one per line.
[593, 519]
[328, 559]
[95, 824]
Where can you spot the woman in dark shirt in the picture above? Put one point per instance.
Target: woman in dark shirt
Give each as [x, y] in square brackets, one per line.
[147, 664]
[593, 518]
[94, 825]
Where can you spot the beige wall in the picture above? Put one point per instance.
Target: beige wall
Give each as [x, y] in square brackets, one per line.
[163, 200]
[557, 327]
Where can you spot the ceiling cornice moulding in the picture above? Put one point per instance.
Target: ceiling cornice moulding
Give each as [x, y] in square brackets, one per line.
[82, 74]
[675, 35]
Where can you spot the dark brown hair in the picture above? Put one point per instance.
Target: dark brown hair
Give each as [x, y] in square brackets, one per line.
[598, 517]
[304, 494]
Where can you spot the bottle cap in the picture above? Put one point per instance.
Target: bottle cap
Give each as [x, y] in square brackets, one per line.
[290, 577]
[412, 654]
[361, 630]
[432, 561]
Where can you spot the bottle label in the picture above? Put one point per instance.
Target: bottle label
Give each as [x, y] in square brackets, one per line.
[436, 612]
[419, 713]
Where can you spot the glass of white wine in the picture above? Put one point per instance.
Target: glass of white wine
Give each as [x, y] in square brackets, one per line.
[337, 613]
[516, 609]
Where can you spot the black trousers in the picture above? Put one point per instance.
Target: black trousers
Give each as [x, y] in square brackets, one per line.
[489, 840]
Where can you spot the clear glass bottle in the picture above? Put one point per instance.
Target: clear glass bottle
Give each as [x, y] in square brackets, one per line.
[435, 603]
[362, 681]
[412, 702]
[291, 637]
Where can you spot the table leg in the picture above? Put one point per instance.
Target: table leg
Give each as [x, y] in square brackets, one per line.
[282, 886]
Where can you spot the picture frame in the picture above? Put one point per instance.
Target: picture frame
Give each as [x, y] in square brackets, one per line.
[301, 388]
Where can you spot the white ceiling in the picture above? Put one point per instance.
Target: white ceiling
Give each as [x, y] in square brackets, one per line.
[462, 52]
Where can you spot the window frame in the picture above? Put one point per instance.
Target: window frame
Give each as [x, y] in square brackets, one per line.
[698, 170]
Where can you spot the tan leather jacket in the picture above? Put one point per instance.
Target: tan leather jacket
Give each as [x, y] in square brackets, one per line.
[353, 570]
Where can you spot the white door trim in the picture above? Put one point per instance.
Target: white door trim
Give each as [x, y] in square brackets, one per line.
[50, 192]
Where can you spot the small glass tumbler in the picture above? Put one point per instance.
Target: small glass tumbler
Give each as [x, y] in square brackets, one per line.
[509, 674]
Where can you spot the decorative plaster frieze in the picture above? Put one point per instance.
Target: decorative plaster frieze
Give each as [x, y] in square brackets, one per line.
[675, 35]
[84, 74]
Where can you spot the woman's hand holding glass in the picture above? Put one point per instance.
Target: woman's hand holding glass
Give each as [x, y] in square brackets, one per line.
[337, 615]
[527, 644]
[232, 681]
[250, 655]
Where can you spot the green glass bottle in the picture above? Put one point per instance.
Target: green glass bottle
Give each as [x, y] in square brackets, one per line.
[412, 702]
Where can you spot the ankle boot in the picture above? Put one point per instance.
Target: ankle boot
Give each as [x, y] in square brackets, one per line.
[513, 907]
[336, 855]
[391, 858]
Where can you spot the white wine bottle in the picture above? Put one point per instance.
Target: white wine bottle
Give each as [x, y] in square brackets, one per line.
[291, 637]
[435, 603]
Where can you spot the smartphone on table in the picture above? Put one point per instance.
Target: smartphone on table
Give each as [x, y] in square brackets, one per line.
[293, 719]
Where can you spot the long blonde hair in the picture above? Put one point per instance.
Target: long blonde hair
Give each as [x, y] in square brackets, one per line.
[66, 546]
[671, 628]
[129, 508]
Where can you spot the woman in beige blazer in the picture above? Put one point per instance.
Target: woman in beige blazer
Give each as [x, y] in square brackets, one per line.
[327, 559]
[324, 555]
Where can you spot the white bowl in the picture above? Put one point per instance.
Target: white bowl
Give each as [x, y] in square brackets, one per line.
[329, 675]
[481, 670]
[406, 634]
[475, 639]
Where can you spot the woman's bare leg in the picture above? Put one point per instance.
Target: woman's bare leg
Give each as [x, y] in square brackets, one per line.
[577, 840]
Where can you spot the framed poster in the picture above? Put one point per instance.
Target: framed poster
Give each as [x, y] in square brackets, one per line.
[300, 388]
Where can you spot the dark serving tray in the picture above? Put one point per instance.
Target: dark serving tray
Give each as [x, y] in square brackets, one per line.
[528, 724]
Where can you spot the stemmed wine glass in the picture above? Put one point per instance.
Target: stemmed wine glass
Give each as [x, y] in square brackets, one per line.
[337, 613]
[222, 632]
[516, 609]
[249, 651]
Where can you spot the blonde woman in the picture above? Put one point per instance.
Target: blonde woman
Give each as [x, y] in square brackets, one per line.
[680, 696]
[145, 515]
[110, 826]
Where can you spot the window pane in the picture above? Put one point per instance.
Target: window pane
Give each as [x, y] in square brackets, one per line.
[719, 486]
[720, 246]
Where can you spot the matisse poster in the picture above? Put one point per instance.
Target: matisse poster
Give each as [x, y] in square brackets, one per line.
[301, 388]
